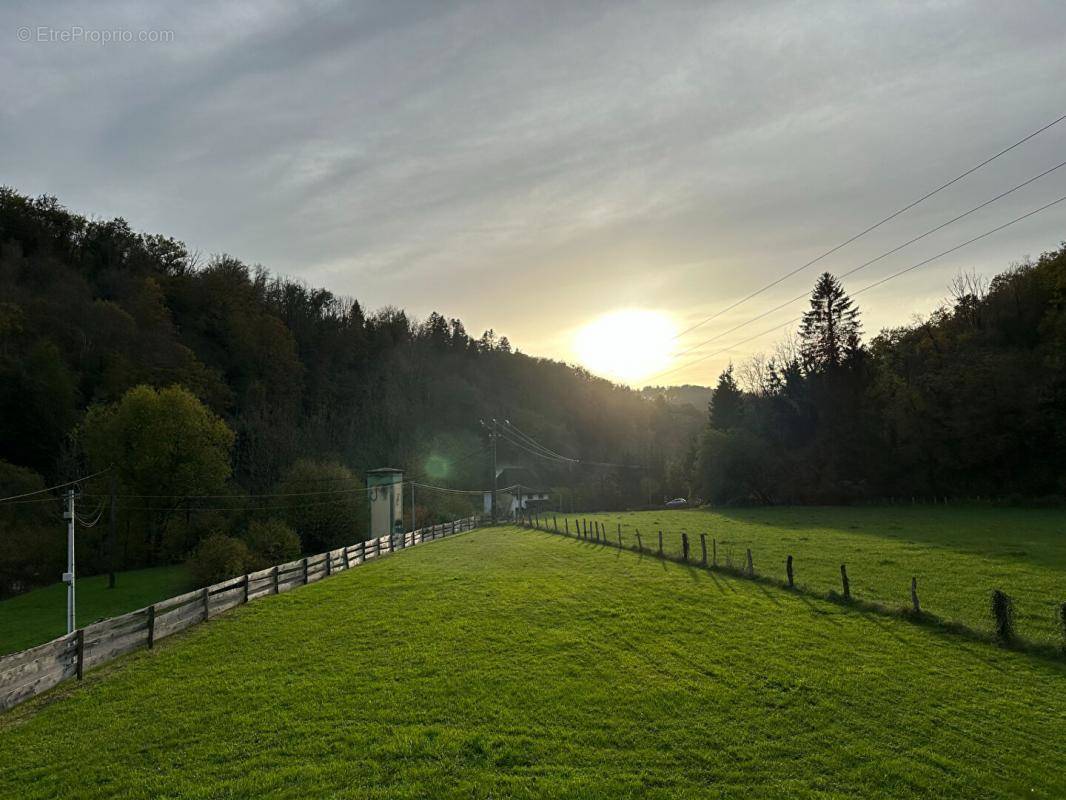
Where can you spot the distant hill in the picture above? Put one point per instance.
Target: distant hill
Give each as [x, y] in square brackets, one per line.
[696, 396]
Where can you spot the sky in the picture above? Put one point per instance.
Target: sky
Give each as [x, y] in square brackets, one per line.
[532, 167]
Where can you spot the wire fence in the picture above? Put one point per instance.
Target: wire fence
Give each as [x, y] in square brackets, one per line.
[709, 552]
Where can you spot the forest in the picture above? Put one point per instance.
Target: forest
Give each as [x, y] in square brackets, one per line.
[967, 403]
[113, 340]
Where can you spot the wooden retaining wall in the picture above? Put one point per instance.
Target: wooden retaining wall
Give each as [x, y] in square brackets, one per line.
[28, 673]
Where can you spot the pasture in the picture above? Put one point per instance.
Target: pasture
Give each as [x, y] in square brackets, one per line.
[516, 663]
[41, 615]
[957, 553]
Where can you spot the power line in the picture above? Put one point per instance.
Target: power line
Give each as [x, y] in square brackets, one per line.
[355, 490]
[283, 507]
[553, 456]
[52, 488]
[535, 443]
[870, 286]
[526, 448]
[478, 492]
[873, 227]
[872, 261]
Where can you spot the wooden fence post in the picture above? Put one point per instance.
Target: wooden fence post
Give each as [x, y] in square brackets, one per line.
[844, 581]
[914, 596]
[555, 523]
[703, 547]
[305, 571]
[684, 546]
[247, 584]
[151, 626]
[714, 551]
[640, 544]
[80, 651]
[751, 566]
[329, 560]
[277, 587]
[788, 571]
[660, 544]
[207, 604]
[347, 556]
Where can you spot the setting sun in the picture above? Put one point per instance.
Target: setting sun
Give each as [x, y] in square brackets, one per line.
[626, 345]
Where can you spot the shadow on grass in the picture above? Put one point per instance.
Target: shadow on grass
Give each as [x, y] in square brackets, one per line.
[948, 527]
[1044, 652]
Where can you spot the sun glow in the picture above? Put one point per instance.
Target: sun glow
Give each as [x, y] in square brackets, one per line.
[626, 345]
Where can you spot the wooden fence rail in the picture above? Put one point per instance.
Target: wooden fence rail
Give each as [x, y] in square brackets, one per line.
[28, 673]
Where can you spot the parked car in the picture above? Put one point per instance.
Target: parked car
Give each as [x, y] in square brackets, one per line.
[677, 502]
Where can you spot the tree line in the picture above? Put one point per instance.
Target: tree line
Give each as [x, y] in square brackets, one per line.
[967, 402]
[186, 377]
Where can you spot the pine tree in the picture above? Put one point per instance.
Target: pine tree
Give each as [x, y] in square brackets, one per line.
[726, 405]
[830, 331]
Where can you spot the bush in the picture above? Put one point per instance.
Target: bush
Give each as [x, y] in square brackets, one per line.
[219, 557]
[325, 525]
[272, 542]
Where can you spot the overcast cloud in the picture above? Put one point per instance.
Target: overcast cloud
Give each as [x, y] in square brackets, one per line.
[529, 166]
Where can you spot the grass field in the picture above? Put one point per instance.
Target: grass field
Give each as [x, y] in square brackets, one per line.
[958, 554]
[41, 615]
[508, 663]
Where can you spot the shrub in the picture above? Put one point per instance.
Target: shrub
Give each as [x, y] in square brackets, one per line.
[272, 542]
[219, 557]
[324, 525]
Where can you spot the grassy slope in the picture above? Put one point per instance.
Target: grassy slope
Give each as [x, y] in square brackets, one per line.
[505, 663]
[959, 554]
[41, 615]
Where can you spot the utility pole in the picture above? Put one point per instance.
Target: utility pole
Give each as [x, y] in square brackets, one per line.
[68, 576]
[494, 472]
[412, 512]
[492, 438]
[112, 535]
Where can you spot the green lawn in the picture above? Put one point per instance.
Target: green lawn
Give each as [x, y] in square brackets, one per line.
[509, 663]
[41, 615]
[958, 554]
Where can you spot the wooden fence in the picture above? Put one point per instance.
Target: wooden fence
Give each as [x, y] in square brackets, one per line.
[28, 673]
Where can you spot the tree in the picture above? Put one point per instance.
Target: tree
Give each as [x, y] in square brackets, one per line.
[38, 406]
[327, 506]
[727, 402]
[165, 447]
[829, 332]
[32, 538]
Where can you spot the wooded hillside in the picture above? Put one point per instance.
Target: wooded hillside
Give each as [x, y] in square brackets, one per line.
[90, 309]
